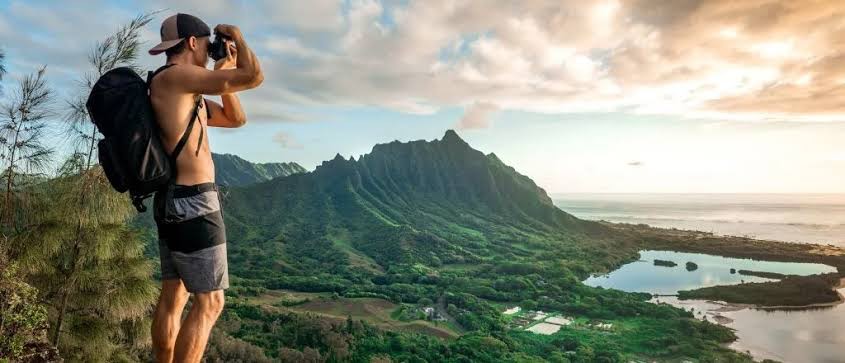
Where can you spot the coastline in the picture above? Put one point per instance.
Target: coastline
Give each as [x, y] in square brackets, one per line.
[646, 237]
[681, 240]
[727, 307]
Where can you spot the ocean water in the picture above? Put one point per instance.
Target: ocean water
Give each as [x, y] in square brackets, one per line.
[799, 336]
[801, 218]
[645, 276]
[789, 336]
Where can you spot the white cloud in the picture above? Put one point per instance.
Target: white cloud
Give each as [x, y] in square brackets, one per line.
[477, 116]
[286, 140]
[291, 46]
[760, 60]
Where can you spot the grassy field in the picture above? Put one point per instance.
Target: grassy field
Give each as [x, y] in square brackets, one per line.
[273, 296]
[372, 310]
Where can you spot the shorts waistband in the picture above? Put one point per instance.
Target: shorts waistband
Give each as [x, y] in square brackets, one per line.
[184, 191]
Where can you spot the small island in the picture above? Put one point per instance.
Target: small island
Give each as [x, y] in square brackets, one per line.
[664, 263]
[764, 274]
[791, 291]
[692, 266]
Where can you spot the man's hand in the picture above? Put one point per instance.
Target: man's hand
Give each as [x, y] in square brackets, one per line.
[230, 61]
[230, 31]
[223, 80]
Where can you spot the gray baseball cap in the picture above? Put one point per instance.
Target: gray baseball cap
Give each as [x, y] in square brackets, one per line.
[178, 27]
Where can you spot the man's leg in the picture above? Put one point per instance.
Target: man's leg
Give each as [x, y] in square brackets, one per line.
[205, 309]
[167, 317]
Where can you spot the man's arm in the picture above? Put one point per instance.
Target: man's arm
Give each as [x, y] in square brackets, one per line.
[246, 75]
[231, 114]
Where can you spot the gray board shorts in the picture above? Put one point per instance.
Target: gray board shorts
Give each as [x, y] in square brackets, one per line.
[192, 236]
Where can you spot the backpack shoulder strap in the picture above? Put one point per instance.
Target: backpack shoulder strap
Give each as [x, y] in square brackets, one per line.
[184, 138]
[202, 129]
[152, 74]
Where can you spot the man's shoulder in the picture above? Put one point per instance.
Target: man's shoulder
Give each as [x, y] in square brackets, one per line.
[172, 70]
[168, 80]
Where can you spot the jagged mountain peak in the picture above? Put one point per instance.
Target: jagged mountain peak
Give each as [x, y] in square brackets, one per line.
[450, 133]
[447, 168]
[335, 165]
[451, 138]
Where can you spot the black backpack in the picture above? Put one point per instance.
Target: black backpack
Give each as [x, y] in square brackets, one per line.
[131, 152]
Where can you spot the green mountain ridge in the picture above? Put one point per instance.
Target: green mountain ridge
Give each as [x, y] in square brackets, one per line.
[428, 202]
[230, 169]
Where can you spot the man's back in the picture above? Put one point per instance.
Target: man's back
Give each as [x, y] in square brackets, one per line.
[174, 109]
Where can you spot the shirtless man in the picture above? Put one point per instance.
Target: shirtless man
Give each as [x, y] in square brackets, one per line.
[188, 214]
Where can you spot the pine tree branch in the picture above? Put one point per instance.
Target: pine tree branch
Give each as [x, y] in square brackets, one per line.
[119, 49]
[2, 64]
[2, 67]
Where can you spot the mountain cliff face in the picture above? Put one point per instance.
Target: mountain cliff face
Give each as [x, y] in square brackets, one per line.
[233, 171]
[446, 171]
[428, 202]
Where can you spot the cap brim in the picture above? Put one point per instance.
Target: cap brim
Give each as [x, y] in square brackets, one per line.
[165, 45]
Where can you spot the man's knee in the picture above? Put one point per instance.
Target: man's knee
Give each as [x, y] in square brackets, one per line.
[209, 303]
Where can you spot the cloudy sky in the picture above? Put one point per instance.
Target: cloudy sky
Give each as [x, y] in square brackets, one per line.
[581, 96]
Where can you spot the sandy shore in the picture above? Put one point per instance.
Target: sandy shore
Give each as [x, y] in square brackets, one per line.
[721, 319]
[828, 250]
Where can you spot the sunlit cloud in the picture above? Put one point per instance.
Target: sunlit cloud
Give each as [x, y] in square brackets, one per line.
[478, 116]
[625, 95]
[750, 60]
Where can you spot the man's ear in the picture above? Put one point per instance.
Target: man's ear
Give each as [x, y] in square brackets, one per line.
[192, 42]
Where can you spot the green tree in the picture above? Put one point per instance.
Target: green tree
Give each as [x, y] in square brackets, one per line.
[119, 49]
[82, 255]
[23, 154]
[2, 65]
[89, 266]
[585, 353]
[528, 304]
[223, 348]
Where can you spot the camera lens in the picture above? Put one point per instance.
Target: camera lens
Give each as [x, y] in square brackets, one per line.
[217, 49]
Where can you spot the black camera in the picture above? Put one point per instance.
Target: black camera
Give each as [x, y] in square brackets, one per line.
[217, 49]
